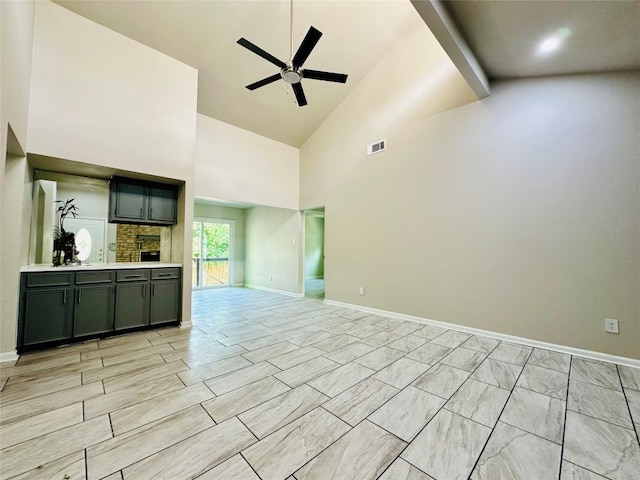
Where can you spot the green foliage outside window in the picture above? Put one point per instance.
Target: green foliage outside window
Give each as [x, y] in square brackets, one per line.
[214, 240]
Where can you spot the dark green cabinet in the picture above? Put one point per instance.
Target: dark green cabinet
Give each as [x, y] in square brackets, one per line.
[93, 302]
[165, 299]
[162, 205]
[132, 305]
[46, 315]
[165, 295]
[129, 202]
[73, 305]
[139, 202]
[93, 310]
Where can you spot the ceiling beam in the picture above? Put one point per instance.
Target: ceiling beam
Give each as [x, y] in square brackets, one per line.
[441, 25]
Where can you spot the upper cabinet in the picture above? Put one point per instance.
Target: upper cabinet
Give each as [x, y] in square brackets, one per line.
[139, 202]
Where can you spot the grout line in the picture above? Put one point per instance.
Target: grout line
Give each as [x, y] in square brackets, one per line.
[503, 407]
[564, 425]
[247, 462]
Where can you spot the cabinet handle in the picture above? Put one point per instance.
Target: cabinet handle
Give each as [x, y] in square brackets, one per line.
[154, 289]
[64, 297]
[134, 276]
[141, 212]
[79, 295]
[144, 290]
[165, 274]
[151, 213]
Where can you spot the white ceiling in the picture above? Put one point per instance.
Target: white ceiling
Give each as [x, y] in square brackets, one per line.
[203, 34]
[504, 35]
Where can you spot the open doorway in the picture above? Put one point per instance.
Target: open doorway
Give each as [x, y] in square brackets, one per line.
[314, 282]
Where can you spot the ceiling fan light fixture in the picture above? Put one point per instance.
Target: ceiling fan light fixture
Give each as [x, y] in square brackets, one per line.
[291, 75]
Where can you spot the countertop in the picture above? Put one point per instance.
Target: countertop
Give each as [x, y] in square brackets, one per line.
[98, 266]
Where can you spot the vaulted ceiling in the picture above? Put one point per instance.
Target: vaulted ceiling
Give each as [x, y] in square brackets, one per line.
[505, 36]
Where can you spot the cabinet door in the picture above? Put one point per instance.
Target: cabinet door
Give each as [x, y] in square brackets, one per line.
[165, 301]
[132, 305]
[93, 310]
[46, 315]
[162, 205]
[130, 202]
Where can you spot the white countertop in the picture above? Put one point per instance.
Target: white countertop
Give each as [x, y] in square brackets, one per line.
[98, 266]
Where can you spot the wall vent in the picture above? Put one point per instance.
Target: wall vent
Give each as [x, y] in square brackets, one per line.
[376, 147]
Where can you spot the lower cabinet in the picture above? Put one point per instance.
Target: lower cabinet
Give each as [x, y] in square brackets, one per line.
[132, 305]
[57, 308]
[46, 315]
[93, 310]
[165, 301]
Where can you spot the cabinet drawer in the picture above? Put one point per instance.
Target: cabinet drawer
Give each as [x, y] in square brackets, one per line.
[94, 277]
[164, 273]
[48, 279]
[132, 275]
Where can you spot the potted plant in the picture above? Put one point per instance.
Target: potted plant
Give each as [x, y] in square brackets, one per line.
[64, 241]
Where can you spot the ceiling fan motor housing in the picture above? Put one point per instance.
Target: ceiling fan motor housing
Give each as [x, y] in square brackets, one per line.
[291, 75]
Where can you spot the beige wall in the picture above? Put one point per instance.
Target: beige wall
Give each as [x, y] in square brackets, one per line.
[240, 166]
[272, 249]
[101, 98]
[219, 212]
[518, 214]
[16, 46]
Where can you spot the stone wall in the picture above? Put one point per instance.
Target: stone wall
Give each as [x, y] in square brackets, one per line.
[128, 246]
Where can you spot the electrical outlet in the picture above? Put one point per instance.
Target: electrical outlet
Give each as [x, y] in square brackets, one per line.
[270, 278]
[361, 290]
[611, 325]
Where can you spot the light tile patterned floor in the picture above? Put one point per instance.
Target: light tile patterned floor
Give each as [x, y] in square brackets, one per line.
[278, 388]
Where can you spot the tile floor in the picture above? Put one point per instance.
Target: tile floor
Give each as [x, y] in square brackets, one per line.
[273, 388]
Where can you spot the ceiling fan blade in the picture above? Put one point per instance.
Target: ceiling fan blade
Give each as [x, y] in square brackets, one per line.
[264, 81]
[326, 76]
[309, 42]
[297, 89]
[258, 51]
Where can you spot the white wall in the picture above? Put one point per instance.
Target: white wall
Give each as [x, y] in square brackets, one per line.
[101, 98]
[518, 214]
[272, 249]
[240, 166]
[91, 200]
[16, 48]
[218, 212]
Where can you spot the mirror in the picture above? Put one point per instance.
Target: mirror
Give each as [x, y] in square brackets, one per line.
[96, 240]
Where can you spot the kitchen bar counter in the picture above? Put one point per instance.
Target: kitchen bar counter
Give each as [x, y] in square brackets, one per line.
[61, 305]
[97, 266]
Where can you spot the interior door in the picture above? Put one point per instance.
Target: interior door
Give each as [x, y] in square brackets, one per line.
[90, 238]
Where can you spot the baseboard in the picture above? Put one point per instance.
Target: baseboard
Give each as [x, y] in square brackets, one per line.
[8, 357]
[603, 357]
[317, 277]
[185, 324]
[273, 290]
[238, 285]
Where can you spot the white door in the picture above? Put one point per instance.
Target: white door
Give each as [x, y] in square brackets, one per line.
[89, 236]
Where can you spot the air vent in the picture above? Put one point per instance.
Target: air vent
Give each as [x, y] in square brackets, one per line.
[376, 147]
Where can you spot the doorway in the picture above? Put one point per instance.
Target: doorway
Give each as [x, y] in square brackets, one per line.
[212, 253]
[314, 281]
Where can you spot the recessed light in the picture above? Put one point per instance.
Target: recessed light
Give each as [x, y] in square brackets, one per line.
[549, 45]
[552, 42]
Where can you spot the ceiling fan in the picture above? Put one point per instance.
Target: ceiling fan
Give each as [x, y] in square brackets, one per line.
[292, 71]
